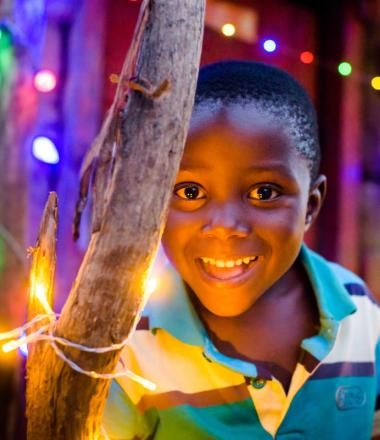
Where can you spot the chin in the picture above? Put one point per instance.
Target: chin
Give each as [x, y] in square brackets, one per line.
[226, 311]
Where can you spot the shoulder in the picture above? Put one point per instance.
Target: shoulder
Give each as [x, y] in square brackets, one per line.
[366, 320]
[344, 275]
[355, 286]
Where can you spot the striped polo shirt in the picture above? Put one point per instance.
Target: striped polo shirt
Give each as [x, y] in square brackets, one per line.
[203, 394]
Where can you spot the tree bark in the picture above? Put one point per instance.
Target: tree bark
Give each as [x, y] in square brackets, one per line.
[109, 290]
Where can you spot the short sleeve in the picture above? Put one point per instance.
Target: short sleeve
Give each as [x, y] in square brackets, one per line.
[121, 418]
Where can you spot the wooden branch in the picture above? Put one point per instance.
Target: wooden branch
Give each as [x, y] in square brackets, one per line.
[41, 287]
[109, 290]
[44, 260]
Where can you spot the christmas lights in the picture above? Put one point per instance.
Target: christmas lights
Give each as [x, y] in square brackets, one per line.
[45, 150]
[45, 333]
[45, 81]
[19, 338]
[228, 29]
[345, 68]
[269, 45]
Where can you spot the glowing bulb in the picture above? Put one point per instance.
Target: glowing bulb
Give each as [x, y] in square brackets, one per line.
[45, 81]
[345, 68]
[307, 57]
[151, 285]
[269, 45]
[40, 293]
[375, 82]
[228, 29]
[10, 346]
[45, 150]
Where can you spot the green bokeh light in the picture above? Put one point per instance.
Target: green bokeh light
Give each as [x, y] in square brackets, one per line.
[6, 63]
[345, 68]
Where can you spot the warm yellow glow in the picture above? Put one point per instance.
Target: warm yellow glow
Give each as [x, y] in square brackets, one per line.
[151, 285]
[228, 29]
[375, 82]
[12, 345]
[40, 293]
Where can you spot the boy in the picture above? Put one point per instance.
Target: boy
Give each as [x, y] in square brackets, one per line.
[249, 333]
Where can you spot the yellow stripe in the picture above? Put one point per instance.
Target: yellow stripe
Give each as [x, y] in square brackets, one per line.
[269, 402]
[172, 366]
[272, 403]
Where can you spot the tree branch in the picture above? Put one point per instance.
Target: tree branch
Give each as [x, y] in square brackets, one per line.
[109, 290]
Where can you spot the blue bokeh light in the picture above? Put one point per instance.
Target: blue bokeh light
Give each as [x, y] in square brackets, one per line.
[45, 150]
[269, 45]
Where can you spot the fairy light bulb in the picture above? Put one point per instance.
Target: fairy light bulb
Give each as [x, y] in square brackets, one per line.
[45, 81]
[228, 30]
[307, 57]
[375, 83]
[269, 45]
[345, 68]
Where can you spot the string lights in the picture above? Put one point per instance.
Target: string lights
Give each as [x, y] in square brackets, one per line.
[269, 45]
[45, 81]
[344, 68]
[45, 150]
[228, 30]
[375, 82]
[306, 57]
[45, 332]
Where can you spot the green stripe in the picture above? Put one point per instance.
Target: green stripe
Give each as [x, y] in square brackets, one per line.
[234, 421]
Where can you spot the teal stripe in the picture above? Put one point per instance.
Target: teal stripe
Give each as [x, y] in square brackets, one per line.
[170, 308]
[333, 300]
[234, 421]
[315, 409]
[245, 368]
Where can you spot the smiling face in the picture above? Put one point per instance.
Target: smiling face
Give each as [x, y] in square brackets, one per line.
[241, 204]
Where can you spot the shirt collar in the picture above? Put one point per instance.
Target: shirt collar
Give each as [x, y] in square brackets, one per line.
[170, 308]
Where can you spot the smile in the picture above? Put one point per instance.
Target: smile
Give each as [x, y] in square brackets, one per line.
[228, 263]
[227, 272]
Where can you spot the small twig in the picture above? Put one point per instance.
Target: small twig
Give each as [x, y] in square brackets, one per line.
[147, 89]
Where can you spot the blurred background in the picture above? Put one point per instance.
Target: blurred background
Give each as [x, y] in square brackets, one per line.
[58, 64]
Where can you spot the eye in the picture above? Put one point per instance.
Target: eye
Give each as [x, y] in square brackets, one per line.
[189, 191]
[263, 192]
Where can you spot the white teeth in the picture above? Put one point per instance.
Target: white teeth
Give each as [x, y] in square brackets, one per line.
[228, 263]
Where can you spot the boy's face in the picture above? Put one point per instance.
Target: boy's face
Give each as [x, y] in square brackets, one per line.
[242, 200]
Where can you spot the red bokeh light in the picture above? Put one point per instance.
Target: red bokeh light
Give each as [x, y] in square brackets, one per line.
[307, 57]
[45, 81]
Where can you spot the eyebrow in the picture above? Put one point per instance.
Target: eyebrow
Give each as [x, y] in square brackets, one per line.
[194, 167]
[268, 168]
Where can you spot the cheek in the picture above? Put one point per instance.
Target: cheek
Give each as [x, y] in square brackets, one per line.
[280, 226]
[177, 236]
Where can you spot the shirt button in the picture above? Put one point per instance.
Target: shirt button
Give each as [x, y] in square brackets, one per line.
[258, 383]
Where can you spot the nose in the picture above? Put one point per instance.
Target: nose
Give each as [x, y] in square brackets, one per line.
[226, 221]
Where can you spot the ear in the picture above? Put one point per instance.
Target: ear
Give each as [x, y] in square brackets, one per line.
[316, 196]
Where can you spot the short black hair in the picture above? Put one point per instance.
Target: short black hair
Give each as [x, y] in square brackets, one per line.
[269, 89]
